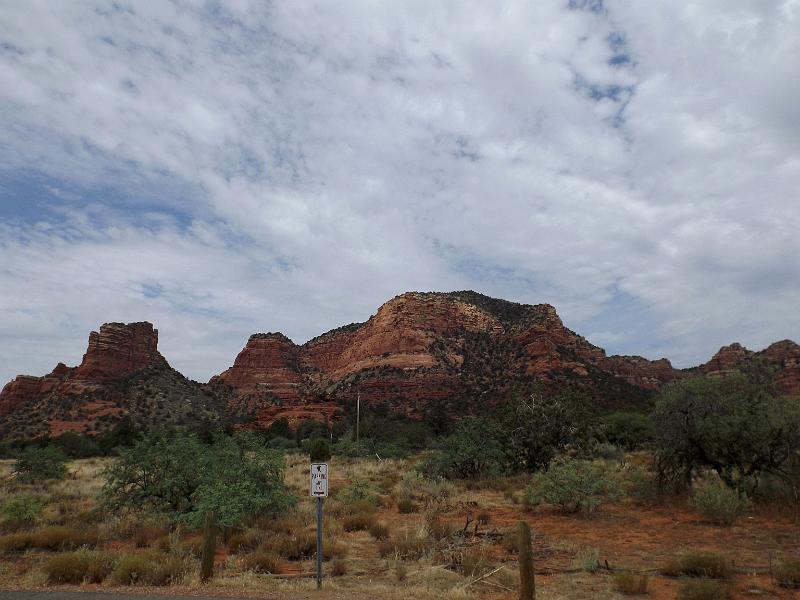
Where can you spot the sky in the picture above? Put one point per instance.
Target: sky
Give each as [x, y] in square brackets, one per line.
[230, 167]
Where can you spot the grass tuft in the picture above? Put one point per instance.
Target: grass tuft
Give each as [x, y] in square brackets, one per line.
[631, 583]
[700, 564]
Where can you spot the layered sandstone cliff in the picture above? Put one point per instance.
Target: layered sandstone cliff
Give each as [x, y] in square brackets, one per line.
[122, 372]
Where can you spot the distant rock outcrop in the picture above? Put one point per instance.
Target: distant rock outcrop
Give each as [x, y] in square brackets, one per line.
[779, 361]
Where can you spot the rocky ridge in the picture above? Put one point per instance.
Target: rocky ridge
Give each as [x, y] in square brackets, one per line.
[461, 352]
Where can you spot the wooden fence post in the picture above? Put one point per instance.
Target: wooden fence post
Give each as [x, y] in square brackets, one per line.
[209, 548]
[527, 586]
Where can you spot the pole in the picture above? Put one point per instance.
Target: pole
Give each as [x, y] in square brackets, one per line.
[319, 543]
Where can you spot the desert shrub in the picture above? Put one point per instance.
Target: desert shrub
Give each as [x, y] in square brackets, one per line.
[40, 464]
[147, 535]
[167, 570]
[631, 583]
[262, 561]
[574, 485]
[629, 430]
[59, 537]
[359, 490]
[473, 560]
[484, 517]
[728, 424]
[14, 542]
[787, 573]
[360, 521]
[642, 484]
[76, 445]
[406, 546]
[379, 530]
[247, 540]
[132, 569]
[80, 566]
[148, 569]
[704, 590]
[21, 511]
[300, 545]
[718, 503]
[400, 571]
[510, 541]
[339, 567]
[473, 450]
[587, 559]
[415, 485]
[537, 428]
[175, 475]
[608, 452]
[319, 450]
[406, 506]
[700, 564]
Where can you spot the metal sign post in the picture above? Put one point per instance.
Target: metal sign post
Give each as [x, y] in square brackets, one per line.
[319, 490]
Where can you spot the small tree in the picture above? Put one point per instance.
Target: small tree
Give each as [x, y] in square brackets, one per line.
[473, 450]
[39, 464]
[728, 424]
[175, 475]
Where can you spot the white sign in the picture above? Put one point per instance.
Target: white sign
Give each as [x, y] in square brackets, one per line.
[319, 480]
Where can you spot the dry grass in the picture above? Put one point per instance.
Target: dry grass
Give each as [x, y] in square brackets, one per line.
[704, 590]
[262, 561]
[631, 583]
[700, 564]
[787, 573]
[406, 555]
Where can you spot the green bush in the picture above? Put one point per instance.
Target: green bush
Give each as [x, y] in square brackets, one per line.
[22, 511]
[358, 491]
[629, 430]
[700, 564]
[728, 424]
[40, 464]
[642, 484]
[319, 450]
[472, 451]
[787, 573]
[631, 583]
[175, 475]
[704, 590]
[574, 485]
[718, 503]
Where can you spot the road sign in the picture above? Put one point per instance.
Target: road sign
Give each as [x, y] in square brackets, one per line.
[319, 480]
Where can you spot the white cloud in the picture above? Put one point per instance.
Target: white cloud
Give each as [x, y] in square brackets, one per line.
[293, 167]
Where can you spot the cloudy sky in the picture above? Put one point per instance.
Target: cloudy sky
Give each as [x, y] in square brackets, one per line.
[221, 168]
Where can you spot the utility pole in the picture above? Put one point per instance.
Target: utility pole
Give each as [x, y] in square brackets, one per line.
[358, 414]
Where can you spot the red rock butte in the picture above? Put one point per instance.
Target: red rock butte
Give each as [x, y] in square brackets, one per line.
[453, 350]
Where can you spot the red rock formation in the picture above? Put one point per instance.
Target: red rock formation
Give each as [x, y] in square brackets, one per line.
[728, 358]
[268, 364]
[640, 372]
[783, 358]
[115, 352]
[459, 349]
[118, 350]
